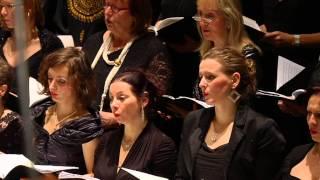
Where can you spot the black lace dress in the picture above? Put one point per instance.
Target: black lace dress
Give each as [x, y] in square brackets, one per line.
[147, 53]
[11, 134]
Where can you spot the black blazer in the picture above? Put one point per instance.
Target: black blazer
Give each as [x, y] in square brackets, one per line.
[255, 148]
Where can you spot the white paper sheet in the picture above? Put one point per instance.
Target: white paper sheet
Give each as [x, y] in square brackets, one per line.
[34, 91]
[66, 175]
[10, 161]
[251, 23]
[142, 175]
[286, 71]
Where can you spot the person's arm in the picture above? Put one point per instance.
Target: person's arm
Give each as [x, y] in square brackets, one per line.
[270, 151]
[283, 39]
[88, 153]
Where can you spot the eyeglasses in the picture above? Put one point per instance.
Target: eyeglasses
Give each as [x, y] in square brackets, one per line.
[113, 8]
[206, 18]
[8, 6]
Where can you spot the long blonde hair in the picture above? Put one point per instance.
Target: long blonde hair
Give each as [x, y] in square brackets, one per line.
[231, 10]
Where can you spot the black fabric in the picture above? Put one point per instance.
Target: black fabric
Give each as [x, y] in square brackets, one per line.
[60, 21]
[254, 151]
[146, 52]
[64, 146]
[293, 158]
[153, 152]
[210, 162]
[11, 134]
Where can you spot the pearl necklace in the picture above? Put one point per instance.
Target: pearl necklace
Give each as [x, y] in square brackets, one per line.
[122, 55]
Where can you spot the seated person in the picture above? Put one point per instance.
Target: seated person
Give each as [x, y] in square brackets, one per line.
[136, 144]
[66, 128]
[11, 131]
[303, 161]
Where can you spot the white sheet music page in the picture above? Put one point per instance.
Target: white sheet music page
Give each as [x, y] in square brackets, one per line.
[142, 175]
[286, 71]
[251, 23]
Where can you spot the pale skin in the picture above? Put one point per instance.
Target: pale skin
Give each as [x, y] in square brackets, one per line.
[126, 107]
[62, 93]
[216, 86]
[309, 167]
[10, 50]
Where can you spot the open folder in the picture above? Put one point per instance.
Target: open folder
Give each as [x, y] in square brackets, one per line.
[8, 162]
[289, 75]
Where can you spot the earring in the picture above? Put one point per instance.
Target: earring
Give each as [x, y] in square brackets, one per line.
[28, 13]
[142, 114]
[234, 96]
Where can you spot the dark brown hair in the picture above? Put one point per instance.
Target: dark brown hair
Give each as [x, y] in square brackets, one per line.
[141, 10]
[5, 75]
[140, 83]
[79, 69]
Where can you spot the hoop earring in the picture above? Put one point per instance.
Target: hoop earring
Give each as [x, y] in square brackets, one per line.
[234, 96]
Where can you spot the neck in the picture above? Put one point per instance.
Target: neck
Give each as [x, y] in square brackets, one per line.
[132, 131]
[120, 42]
[225, 114]
[63, 111]
[316, 149]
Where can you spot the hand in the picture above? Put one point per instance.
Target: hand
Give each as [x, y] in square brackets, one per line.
[292, 108]
[108, 119]
[279, 39]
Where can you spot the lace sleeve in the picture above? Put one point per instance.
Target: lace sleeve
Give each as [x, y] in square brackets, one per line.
[161, 69]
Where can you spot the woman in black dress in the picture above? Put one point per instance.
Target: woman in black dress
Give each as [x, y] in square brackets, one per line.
[136, 144]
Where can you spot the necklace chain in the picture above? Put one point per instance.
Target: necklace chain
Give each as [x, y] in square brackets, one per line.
[58, 122]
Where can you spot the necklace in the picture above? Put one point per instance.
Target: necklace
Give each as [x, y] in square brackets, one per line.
[215, 136]
[120, 58]
[126, 146]
[59, 122]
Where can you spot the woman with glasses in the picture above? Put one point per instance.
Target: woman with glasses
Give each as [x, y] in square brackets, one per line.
[127, 43]
[39, 42]
[230, 140]
[221, 25]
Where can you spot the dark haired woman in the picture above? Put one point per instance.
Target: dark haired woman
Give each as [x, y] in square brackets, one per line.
[136, 144]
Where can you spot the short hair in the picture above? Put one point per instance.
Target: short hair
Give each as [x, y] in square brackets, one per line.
[140, 83]
[141, 10]
[232, 61]
[231, 10]
[79, 71]
[6, 75]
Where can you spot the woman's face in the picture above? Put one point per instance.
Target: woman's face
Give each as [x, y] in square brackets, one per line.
[124, 103]
[7, 13]
[60, 84]
[212, 23]
[214, 83]
[313, 117]
[117, 17]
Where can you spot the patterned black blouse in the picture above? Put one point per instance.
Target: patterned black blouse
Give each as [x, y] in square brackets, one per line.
[11, 134]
